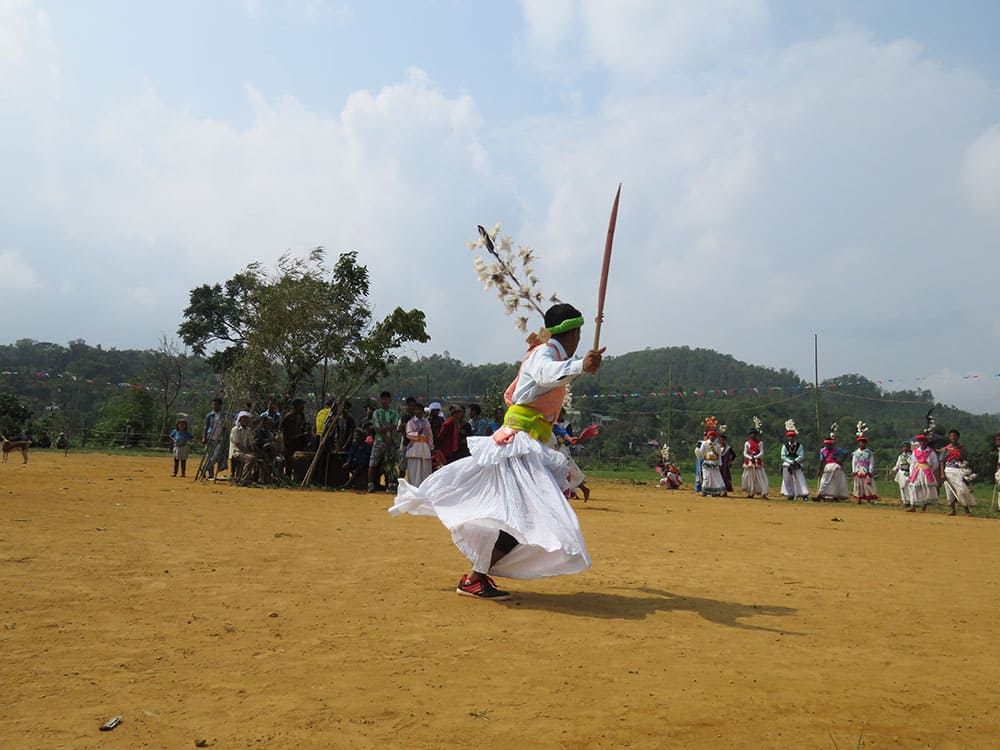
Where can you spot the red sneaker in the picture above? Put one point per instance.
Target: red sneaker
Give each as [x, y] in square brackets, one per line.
[484, 588]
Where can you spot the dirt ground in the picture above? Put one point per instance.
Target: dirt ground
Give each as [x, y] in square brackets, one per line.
[249, 618]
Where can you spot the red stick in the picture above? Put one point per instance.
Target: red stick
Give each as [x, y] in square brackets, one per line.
[603, 289]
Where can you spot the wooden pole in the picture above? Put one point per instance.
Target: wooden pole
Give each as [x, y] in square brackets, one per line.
[605, 266]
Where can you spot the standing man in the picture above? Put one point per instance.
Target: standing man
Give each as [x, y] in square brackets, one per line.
[215, 439]
[294, 432]
[383, 460]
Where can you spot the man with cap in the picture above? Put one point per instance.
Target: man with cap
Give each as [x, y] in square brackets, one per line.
[241, 449]
[504, 505]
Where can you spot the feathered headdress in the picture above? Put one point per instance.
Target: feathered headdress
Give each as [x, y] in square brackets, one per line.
[512, 274]
[833, 430]
[790, 426]
[757, 424]
[665, 454]
[861, 430]
[931, 424]
[710, 423]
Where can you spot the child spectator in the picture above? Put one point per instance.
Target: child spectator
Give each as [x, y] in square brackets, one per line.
[181, 437]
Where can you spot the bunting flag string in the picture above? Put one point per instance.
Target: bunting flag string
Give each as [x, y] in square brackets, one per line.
[682, 394]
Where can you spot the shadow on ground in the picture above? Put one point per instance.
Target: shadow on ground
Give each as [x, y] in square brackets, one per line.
[644, 601]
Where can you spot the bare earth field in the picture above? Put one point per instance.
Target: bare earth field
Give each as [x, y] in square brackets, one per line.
[247, 618]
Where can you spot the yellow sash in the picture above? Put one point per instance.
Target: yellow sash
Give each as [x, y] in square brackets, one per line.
[529, 420]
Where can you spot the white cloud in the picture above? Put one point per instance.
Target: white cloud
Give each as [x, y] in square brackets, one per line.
[28, 66]
[17, 277]
[293, 178]
[640, 38]
[981, 173]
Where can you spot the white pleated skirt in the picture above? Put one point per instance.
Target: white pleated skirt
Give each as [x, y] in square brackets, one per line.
[515, 487]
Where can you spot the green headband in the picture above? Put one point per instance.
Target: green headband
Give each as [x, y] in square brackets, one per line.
[567, 325]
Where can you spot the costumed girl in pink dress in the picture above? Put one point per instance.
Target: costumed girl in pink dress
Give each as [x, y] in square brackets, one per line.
[923, 475]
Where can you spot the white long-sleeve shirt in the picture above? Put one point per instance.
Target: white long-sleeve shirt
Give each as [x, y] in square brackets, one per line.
[546, 367]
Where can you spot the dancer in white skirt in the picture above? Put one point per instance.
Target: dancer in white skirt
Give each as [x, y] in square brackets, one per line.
[863, 469]
[901, 473]
[708, 451]
[793, 455]
[958, 475]
[504, 505]
[754, 480]
[832, 482]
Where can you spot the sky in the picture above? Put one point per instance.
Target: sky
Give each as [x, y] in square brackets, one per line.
[788, 169]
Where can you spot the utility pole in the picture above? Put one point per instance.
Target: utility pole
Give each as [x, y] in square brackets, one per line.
[819, 434]
[670, 404]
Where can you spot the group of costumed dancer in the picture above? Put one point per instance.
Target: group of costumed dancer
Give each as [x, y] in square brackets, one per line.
[919, 471]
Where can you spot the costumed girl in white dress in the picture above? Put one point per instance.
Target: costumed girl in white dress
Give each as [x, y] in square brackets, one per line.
[863, 468]
[504, 505]
[958, 475]
[793, 456]
[754, 481]
[832, 482]
[901, 473]
[707, 451]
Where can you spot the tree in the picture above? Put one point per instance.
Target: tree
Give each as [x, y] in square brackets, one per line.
[13, 414]
[127, 418]
[301, 322]
[166, 368]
